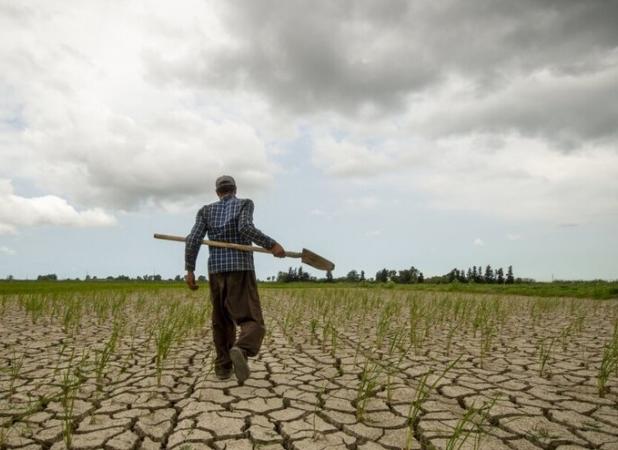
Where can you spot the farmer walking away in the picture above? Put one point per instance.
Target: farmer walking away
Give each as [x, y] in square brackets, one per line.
[231, 273]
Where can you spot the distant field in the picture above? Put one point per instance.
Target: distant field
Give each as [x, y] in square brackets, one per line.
[579, 289]
[129, 366]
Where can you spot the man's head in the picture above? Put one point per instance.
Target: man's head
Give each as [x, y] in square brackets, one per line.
[224, 185]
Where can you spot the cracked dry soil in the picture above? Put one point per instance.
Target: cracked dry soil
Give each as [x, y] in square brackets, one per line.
[339, 369]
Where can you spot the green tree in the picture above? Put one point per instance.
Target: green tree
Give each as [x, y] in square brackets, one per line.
[382, 276]
[48, 277]
[509, 276]
[489, 274]
[352, 276]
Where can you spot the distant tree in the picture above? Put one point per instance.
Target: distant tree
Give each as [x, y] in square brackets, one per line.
[282, 277]
[329, 276]
[462, 277]
[489, 274]
[294, 274]
[500, 276]
[201, 278]
[156, 277]
[352, 276]
[403, 277]
[382, 276]
[509, 276]
[407, 276]
[177, 278]
[304, 275]
[421, 278]
[48, 277]
[9, 278]
[362, 275]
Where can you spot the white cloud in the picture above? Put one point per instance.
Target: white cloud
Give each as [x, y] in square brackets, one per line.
[479, 242]
[508, 176]
[317, 212]
[121, 105]
[333, 57]
[363, 203]
[522, 178]
[346, 158]
[554, 106]
[17, 212]
[86, 120]
[6, 251]
[513, 237]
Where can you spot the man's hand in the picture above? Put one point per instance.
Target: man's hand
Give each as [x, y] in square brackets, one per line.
[278, 251]
[190, 279]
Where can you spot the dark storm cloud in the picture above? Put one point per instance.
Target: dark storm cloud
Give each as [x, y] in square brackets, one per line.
[345, 55]
[565, 110]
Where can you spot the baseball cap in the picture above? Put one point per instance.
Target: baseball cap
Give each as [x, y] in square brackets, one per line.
[225, 181]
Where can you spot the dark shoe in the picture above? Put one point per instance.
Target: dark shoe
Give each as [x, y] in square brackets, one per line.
[241, 367]
[223, 374]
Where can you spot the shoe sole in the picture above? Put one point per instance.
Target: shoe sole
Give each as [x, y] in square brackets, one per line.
[241, 368]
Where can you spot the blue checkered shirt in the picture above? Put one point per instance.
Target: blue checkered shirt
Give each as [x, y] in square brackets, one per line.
[228, 220]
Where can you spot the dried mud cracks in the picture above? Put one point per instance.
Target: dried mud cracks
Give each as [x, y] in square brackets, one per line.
[303, 395]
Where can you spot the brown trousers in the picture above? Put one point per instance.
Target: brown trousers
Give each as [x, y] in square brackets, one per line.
[235, 302]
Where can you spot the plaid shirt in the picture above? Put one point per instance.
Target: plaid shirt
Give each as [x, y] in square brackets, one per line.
[228, 220]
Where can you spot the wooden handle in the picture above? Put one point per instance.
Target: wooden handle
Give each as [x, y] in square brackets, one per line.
[244, 248]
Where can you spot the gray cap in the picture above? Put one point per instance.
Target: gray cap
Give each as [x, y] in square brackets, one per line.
[224, 181]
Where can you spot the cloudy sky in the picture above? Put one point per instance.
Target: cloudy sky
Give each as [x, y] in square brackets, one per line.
[437, 134]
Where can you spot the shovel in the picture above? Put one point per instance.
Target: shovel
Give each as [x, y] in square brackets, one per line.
[306, 256]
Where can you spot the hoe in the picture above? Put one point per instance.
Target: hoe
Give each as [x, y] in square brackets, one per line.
[306, 256]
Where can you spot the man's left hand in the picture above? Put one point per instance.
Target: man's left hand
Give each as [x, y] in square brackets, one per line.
[278, 251]
[190, 279]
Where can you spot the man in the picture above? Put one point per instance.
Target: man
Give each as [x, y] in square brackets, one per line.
[233, 287]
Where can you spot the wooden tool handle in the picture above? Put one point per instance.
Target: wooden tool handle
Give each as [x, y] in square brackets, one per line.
[244, 248]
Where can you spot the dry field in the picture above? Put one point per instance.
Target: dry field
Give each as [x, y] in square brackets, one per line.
[339, 369]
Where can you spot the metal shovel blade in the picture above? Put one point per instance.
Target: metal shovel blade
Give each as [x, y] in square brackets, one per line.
[315, 260]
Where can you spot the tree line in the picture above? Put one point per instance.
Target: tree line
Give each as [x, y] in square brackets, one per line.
[406, 276]
[412, 275]
[476, 274]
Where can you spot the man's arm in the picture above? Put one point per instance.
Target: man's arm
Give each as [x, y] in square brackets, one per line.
[248, 230]
[193, 244]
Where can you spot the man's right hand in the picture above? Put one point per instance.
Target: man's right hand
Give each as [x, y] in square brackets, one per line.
[190, 279]
[278, 251]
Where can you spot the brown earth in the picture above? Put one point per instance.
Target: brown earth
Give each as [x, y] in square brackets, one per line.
[338, 370]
